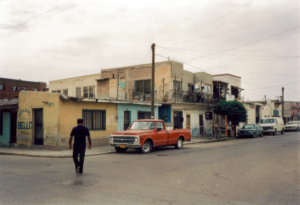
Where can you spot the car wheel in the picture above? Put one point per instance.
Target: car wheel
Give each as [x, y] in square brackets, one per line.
[261, 134]
[282, 131]
[179, 143]
[254, 135]
[146, 148]
[274, 133]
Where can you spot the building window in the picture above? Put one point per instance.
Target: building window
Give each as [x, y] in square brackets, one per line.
[65, 92]
[2, 87]
[78, 92]
[94, 120]
[24, 88]
[188, 121]
[34, 89]
[143, 86]
[14, 87]
[44, 89]
[56, 91]
[144, 115]
[88, 92]
[176, 87]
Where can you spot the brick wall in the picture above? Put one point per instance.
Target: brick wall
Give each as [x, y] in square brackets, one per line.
[9, 93]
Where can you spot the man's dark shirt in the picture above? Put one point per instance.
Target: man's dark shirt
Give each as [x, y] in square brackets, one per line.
[80, 132]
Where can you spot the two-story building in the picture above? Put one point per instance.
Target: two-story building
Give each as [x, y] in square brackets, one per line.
[291, 111]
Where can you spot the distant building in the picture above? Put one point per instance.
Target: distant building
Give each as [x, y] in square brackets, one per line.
[10, 88]
[291, 111]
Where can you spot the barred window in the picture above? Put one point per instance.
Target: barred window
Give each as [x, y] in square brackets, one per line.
[94, 119]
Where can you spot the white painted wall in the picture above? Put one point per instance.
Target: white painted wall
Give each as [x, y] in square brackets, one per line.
[207, 124]
[72, 83]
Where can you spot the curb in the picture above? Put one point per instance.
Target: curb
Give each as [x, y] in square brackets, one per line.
[106, 152]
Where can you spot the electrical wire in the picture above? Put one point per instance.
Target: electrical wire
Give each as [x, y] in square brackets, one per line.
[210, 22]
[251, 25]
[38, 20]
[246, 44]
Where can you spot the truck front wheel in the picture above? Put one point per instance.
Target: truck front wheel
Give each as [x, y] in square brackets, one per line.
[146, 148]
[179, 143]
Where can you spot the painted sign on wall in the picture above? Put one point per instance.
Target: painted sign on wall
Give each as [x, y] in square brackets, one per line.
[25, 125]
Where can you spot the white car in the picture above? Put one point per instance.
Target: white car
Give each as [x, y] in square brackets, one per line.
[292, 126]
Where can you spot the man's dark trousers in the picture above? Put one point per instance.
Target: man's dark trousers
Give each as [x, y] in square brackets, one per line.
[79, 150]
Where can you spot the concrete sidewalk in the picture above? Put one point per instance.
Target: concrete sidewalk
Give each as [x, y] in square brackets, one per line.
[93, 152]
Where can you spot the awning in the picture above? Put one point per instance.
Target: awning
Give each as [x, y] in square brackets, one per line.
[237, 87]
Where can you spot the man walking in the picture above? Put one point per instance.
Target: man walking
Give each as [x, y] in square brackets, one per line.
[80, 133]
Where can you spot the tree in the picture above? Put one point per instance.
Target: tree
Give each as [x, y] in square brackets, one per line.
[235, 111]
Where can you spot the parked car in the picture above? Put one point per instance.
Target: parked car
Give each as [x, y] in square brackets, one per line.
[146, 134]
[252, 130]
[272, 125]
[292, 126]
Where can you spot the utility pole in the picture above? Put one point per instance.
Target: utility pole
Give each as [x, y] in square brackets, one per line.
[153, 80]
[265, 97]
[118, 84]
[282, 105]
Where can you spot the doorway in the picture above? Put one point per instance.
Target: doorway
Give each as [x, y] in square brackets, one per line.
[126, 119]
[38, 127]
[13, 128]
[201, 124]
[178, 120]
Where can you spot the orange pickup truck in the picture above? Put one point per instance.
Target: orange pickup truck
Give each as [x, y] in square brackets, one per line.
[146, 134]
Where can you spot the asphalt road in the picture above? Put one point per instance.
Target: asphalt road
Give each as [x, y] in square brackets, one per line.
[243, 171]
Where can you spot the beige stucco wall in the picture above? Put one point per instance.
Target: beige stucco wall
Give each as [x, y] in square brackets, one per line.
[59, 117]
[72, 83]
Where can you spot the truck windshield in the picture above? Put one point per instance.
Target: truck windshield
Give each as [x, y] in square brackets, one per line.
[247, 127]
[266, 121]
[142, 126]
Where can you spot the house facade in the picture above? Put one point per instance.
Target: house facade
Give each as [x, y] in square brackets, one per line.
[10, 88]
[8, 121]
[259, 109]
[47, 119]
[81, 87]
[291, 111]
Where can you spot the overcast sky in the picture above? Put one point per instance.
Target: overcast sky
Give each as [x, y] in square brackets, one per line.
[44, 40]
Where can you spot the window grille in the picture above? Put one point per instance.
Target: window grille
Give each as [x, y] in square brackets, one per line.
[94, 120]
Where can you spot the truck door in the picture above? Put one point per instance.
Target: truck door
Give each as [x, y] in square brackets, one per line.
[162, 136]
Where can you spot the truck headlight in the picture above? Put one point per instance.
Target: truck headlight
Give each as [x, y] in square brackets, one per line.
[136, 139]
[111, 138]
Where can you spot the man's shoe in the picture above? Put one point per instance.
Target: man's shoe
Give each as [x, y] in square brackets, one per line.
[77, 170]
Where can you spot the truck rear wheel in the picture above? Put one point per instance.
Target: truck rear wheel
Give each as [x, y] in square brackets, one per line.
[146, 148]
[179, 143]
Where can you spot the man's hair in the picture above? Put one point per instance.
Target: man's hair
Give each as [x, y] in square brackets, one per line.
[79, 121]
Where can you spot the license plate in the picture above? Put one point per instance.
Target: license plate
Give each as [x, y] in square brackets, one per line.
[122, 146]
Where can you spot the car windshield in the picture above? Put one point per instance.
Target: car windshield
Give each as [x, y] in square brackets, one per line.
[266, 121]
[248, 127]
[142, 126]
[292, 123]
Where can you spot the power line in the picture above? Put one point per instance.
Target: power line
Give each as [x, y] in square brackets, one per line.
[250, 25]
[240, 69]
[38, 20]
[211, 22]
[245, 44]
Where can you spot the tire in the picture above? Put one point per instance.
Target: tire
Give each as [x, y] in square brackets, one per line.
[274, 133]
[254, 135]
[146, 148]
[261, 134]
[282, 131]
[179, 143]
[120, 150]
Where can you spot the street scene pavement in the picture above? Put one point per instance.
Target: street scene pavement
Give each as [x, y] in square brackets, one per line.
[241, 171]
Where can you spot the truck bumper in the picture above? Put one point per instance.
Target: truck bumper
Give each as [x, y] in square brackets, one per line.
[127, 146]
